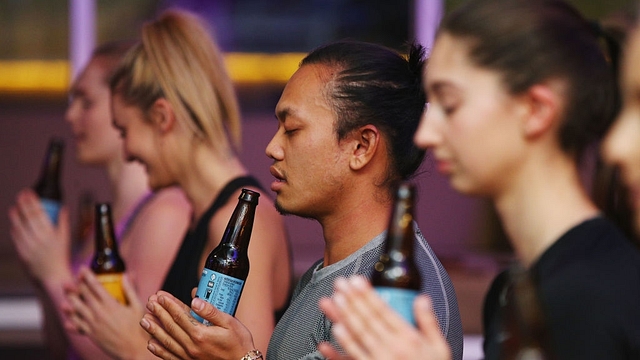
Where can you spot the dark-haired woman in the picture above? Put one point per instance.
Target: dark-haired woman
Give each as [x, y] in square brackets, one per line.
[518, 90]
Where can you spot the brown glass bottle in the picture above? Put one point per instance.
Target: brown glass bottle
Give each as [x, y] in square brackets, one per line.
[396, 277]
[227, 266]
[526, 336]
[48, 184]
[107, 264]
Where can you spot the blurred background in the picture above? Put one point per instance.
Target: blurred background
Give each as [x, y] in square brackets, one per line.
[41, 46]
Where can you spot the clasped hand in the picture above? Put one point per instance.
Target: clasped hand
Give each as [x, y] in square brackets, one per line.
[178, 335]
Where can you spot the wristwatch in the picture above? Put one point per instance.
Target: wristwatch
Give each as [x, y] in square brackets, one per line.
[253, 355]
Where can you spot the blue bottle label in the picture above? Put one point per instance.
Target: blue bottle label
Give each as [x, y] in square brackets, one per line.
[52, 208]
[219, 290]
[400, 300]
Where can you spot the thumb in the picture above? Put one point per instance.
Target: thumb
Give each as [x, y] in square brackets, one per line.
[425, 319]
[209, 312]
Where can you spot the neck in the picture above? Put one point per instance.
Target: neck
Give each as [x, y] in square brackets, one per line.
[356, 220]
[128, 184]
[541, 206]
[204, 174]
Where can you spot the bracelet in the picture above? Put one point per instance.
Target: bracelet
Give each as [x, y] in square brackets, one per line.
[253, 355]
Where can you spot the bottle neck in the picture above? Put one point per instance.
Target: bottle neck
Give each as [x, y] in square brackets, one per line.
[400, 233]
[238, 231]
[48, 185]
[105, 234]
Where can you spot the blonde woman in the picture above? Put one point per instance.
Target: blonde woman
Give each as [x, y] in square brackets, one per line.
[149, 224]
[176, 110]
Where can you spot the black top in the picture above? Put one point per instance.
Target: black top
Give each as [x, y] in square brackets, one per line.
[184, 273]
[588, 282]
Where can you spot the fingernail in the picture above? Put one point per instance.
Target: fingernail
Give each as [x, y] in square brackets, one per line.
[339, 300]
[145, 323]
[161, 300]
[150, 306]
[197, 304]
[341, 283]
[151, 348]
[358, 282]
[423, 303]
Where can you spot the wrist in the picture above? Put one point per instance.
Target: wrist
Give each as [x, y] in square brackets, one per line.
[253, 355]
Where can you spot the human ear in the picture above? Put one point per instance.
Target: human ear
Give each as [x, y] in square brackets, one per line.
[543, 104]
[162, 115]
[365, 144]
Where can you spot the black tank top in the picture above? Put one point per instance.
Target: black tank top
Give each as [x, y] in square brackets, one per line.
[183, 275]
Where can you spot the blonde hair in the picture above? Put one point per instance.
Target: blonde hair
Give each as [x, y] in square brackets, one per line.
[179, 60]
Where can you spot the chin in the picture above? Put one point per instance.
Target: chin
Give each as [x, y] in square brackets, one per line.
[284, 210]
[281, 208]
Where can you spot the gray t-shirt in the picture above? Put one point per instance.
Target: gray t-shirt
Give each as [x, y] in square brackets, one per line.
[303, 326]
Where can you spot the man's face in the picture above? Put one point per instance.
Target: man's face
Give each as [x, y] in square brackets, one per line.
[310, 164]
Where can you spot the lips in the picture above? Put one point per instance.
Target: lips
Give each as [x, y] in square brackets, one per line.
[444, 166]
[279, 181]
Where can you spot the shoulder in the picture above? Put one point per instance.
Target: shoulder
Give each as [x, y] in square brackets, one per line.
[170, 199]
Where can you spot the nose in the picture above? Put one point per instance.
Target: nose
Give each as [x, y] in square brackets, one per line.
[427, 135]
[71, 114]
[274, 149]
[621, 145]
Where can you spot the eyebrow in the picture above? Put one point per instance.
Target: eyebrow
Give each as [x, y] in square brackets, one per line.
[281, 115]
[438, 86]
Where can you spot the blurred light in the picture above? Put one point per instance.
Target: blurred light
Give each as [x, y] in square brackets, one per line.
[52, 77]
[34, 76]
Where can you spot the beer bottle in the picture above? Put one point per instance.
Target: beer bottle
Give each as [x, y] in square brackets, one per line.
[48, 185]
[227, 266]
[526, 336]
[396, 277]
[106, 263]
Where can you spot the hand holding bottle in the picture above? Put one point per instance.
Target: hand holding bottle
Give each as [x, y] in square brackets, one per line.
[43, 247]
[367, 328]
[175, 333]
[93, 311]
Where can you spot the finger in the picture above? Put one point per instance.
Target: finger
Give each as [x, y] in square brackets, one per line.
[78, 308]
[349, 343]
[328, 307]
[176, 322]
[163, 342]
[365, 298]
[160, 351]
[31, 211]
[19, 231]
[74, 320]
[428, 323]
[330, 352]
[91, 288]
[357, 305]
